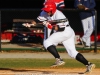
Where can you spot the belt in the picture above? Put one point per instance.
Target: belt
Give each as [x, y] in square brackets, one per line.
[62, 29]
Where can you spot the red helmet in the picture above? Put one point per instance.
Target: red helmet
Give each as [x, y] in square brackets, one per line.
[49, 6]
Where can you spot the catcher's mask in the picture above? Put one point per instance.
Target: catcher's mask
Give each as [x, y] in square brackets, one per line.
[49, 7]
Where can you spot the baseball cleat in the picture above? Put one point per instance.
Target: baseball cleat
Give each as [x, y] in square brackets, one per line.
[58, 62]
[87, 47]
[42, 48]
[83, 43]
[90, 67]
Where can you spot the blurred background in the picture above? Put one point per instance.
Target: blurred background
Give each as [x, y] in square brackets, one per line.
[16, 12]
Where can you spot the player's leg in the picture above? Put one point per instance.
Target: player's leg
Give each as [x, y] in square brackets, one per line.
[69, 44]
[56, 38]
[46, 35]
[50, 44]
[85, 28]
[52, 49]
[88, 29]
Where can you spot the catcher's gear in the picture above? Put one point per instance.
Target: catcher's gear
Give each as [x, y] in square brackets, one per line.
[81, 7]
[49, 7]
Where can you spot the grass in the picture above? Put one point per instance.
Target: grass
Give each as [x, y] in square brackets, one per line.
[17, 63]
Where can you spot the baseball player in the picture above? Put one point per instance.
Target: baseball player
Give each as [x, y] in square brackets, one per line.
[87, 19]
[63, 33]
[60, 5]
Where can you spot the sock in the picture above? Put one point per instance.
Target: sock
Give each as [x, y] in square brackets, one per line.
[52, 49]
[81, 59]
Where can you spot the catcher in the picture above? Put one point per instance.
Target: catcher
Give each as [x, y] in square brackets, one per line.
[63, 33]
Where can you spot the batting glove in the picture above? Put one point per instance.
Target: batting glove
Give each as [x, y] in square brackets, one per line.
[47, 24]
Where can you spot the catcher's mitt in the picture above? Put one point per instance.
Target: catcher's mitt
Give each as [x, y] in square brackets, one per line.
[80, 6]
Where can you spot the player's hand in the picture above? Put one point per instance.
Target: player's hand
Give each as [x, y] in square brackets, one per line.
[81, 7]
[56, 28]
[86, 8]
[47, 24]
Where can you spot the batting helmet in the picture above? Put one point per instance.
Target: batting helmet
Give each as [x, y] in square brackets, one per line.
[49, 6]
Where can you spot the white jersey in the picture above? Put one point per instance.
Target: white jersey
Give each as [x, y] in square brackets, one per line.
[47, 31]
[56, 16]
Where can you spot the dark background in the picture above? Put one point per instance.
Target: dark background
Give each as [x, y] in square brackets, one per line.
[38, 4]
[34, 3]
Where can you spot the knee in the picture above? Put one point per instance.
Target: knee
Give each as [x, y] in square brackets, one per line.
[46, 44]
[73, 54]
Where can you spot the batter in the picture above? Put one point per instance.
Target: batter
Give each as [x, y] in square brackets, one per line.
[63, 33]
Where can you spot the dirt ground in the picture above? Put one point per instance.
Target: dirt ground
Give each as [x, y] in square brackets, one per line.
[54, 71]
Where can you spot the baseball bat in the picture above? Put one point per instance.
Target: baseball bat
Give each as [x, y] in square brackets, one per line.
[51, 22]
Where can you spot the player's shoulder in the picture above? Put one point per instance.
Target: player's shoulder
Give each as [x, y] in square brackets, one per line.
[43, 13]
[59, 11]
